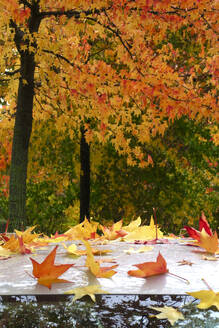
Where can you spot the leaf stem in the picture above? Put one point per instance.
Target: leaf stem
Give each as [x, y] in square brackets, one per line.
[209, 287]
[175, 275]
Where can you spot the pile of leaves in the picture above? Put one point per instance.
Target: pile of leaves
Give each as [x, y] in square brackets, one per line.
[91, 234]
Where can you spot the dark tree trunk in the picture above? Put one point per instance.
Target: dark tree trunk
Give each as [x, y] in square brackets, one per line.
[84, 178]
[23, 125]
[21, 137]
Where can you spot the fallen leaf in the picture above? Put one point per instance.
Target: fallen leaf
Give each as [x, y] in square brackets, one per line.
[207, 298]
[142, 249]
[27, 235]
[73, 250]
[85, 230]
[16, 245]
[47, 272]
[144, 233]
[133, 225]
[4, 252]
[169, 313]
[113, 232]
[88, 290]
[106, 260]
[185, 262]
[94, 266]
[209, 243]
[210, 258]
[55, 240]
[203, 225]
[148, 269]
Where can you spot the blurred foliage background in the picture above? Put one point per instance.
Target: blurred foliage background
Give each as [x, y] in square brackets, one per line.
[181, 182]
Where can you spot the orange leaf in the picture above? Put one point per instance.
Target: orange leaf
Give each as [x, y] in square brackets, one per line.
[48, 273]
[16, 245]
[148, 269]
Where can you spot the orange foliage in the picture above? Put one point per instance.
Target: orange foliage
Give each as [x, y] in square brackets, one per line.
[99, 61]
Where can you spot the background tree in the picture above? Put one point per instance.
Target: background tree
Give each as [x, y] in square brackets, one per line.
[138, 93]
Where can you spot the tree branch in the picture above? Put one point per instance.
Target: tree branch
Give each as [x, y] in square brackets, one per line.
[72, 13]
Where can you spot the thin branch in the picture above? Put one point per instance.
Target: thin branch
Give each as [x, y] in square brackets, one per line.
[72, 13]
[59, 56]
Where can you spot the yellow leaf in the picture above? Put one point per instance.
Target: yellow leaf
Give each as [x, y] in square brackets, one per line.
[169, 313]
[133, 225]
[5, 252]
[55, 240]
[112, 232]
[144, 233]
[84, 230]
[94, 266]
[207, 298]
[27, 235]
[88, 290]
[210, 243]
[72, 249]
[142, 249]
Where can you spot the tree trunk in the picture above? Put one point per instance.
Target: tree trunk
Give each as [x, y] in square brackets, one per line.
[21, 137]
[84, 178]
[23, 123]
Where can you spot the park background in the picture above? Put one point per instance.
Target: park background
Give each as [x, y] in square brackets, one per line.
[169, 164]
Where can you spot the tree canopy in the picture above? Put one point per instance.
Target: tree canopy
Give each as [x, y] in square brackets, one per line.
[106, 65]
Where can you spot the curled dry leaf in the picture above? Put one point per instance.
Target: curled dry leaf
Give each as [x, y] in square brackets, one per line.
[148, 269]
[185, 262]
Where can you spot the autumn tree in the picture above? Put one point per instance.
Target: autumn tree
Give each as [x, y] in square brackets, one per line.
[137, 92]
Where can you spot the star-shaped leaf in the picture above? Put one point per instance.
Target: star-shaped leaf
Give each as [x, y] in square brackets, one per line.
[169, 313]
[47, 272]
[88, 290]
[209, 243]
[207, 298]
